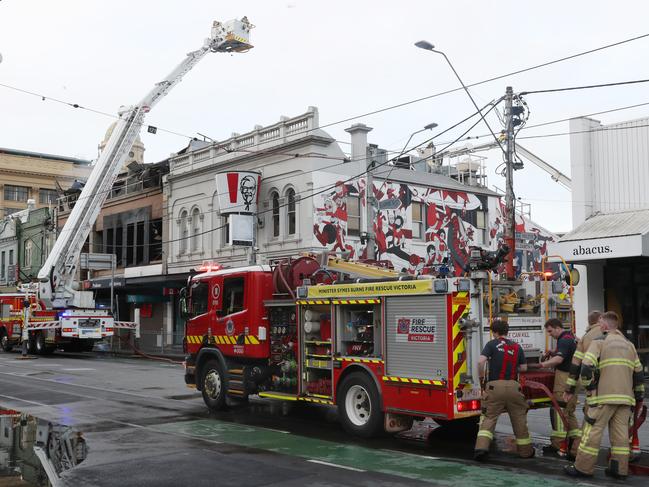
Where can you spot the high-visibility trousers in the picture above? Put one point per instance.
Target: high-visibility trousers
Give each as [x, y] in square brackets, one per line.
[560, 436]
[616, 417]
[504, 396]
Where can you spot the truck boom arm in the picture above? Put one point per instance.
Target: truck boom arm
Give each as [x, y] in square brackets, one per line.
[57, 276]
[554, 173]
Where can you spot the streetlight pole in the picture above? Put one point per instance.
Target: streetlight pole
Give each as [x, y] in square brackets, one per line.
[510, 218]
[427, 46]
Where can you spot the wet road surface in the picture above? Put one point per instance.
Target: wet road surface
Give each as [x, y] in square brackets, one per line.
[144, 427]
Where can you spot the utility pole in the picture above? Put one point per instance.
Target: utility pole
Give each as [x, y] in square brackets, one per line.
[510, 202]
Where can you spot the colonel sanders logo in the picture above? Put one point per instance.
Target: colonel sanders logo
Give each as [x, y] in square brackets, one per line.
[248, 190]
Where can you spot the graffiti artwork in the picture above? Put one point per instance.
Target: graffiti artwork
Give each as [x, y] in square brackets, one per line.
[419, 229]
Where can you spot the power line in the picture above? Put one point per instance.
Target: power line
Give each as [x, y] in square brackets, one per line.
[374, 112]
[599, 129]
[584, 87]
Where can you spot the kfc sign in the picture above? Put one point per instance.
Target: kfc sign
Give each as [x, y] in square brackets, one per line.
[238, 191]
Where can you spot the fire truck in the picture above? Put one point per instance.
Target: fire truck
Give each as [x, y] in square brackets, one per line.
[72, 317]
[384, 348]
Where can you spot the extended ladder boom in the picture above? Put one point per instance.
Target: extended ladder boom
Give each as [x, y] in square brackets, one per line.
[554, 173]
[57, 276]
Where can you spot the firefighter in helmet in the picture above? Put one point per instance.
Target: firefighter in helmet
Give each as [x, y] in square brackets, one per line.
[502, 391]
[612, 375]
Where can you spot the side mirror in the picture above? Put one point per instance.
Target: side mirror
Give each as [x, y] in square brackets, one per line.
[184, 312]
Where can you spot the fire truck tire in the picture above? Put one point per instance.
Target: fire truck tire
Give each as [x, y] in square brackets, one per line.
[4, 341]
[42, 348]
[359, 407]
[31, 345]
[213, 385]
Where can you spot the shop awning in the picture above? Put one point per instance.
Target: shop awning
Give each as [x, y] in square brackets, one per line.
[606, 236]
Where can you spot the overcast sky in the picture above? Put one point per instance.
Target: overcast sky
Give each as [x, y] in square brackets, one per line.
[345, 57]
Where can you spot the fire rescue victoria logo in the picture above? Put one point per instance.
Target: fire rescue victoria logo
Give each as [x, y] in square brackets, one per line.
[416, 329]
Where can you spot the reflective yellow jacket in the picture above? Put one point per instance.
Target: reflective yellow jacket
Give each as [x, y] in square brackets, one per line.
[611, 371]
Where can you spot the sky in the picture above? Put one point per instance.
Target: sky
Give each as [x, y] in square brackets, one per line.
[347, 58]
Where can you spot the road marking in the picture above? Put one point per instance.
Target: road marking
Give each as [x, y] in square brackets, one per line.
[320, 462]
[408, 453]
[80, 369]
[272, 429]
[102, 389]
[25, 400]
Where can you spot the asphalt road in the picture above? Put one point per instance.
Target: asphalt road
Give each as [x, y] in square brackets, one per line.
[144, 427]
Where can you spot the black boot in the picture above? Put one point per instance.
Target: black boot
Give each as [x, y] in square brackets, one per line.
[480, 455]
[613, 470]
[573, 472]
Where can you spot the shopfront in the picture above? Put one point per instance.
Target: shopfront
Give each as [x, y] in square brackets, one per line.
[614, 250]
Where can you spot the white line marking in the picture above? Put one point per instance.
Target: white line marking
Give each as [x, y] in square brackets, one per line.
[25, 400]
[80, 369]
[336, 465]
[411, 454]
[272, 429]
[102, 389]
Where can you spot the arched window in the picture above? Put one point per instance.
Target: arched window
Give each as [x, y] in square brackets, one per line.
[274, 198]
[183, 232]
[196, 229]
[290, 211]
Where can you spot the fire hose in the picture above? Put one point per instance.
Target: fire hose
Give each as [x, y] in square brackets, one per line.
[127, 339]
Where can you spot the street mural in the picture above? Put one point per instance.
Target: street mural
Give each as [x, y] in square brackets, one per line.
[447, 225]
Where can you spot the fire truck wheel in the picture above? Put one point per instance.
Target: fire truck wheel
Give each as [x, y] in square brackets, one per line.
[31, 345]
[41, 346]
[4, 341]
[213, 386]
[358, 406]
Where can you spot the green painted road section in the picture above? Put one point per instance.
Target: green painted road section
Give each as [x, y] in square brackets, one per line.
[428, 469]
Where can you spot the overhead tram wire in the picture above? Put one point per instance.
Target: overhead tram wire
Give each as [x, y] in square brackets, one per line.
[380, 110]
[542, 124]
[584, 87]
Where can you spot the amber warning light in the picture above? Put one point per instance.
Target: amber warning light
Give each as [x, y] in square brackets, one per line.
[209, 266]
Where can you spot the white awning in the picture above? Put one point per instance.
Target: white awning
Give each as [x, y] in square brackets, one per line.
[607, 236]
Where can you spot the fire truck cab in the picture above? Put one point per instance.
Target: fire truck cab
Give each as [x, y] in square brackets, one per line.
[384, 351]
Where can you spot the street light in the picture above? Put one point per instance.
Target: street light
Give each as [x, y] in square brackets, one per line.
[427, 46]
[430, 126]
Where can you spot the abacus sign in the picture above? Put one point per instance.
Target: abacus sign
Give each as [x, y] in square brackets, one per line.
[416, 329]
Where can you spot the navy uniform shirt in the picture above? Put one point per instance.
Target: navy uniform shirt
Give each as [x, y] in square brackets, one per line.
[504, 358]
[566, 346]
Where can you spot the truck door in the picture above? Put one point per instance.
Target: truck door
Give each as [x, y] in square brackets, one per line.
[232, 317]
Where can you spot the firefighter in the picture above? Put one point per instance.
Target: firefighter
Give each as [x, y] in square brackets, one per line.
[592, 332]
[502, 392]
[560, 359]
[612, 375]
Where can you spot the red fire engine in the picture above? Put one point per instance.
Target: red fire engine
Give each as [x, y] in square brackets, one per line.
[44, 331]
[385, 349]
